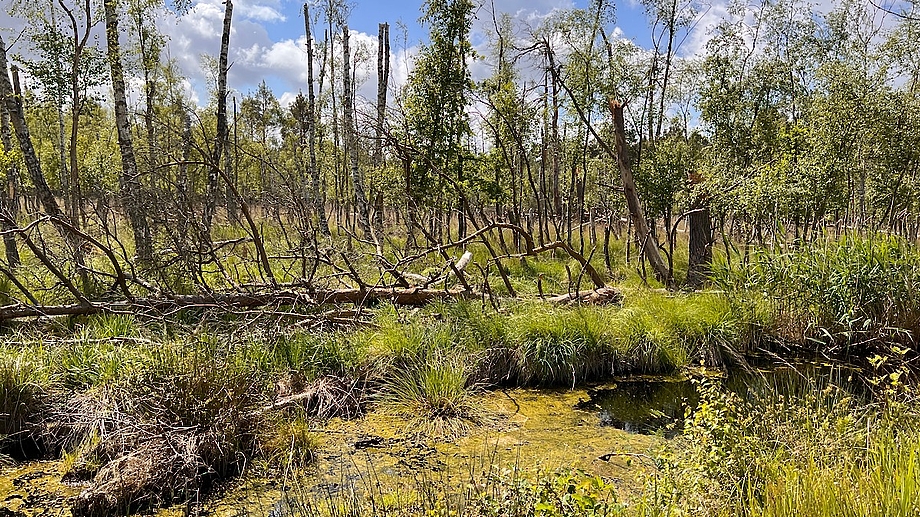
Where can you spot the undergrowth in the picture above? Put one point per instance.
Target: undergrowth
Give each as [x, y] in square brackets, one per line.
[209, 391]
[851, 297]
[822, 454]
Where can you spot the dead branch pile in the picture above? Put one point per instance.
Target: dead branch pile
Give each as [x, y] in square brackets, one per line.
[129, 293]
[156, 473]
[326, 397]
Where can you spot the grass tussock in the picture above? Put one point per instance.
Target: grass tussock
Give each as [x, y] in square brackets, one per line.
[196, 390]
[435, 397]
[290, 443]
[24, 404]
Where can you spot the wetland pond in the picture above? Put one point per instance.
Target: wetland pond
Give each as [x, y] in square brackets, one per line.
[599, 429]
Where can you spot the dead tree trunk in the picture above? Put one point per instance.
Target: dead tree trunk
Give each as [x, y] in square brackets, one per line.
[647, 240]
[10, 198]
[700, 245]
[129, 182]
[221, 137]
[383, 76]
[236, 301]
[351, 141]
[318, 199]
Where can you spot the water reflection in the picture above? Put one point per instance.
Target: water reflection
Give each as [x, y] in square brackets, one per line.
[659, 405]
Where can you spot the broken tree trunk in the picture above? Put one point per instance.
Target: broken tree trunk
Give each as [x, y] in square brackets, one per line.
[602, 296]
[648, 241]
[351, 140]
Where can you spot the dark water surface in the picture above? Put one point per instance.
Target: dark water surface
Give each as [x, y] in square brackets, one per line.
[658, 405]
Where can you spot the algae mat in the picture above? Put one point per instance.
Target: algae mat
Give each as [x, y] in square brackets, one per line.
[532, 430]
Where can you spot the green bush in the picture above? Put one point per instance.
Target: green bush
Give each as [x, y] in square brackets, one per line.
[435, 394]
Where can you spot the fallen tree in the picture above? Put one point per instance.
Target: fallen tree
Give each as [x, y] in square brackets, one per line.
[234, 300]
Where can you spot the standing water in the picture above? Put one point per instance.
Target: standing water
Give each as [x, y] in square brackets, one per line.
[658, 405]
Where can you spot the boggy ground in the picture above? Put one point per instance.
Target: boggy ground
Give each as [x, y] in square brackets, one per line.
[210, 396]
[203, 400]
[533, 430]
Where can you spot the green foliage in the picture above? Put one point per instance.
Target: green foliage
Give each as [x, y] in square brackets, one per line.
[846, 294]
[55, 71]
[565, 493]
[817, 451]
[437, 94]
[23, 394]
[576, 494]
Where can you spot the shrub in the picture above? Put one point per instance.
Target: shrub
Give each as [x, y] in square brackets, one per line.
[852, 295]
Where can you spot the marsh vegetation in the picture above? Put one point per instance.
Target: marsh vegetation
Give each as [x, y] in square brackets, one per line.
[184, 406]
[593, 278]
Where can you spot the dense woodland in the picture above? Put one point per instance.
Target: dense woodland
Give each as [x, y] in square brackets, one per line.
[792, 125]
[193, 293]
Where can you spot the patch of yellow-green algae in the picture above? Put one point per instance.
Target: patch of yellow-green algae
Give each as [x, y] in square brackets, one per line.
[35, 489]
[544, 430]
[531, 430]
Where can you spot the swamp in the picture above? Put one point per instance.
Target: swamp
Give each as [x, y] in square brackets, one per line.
[562, 259]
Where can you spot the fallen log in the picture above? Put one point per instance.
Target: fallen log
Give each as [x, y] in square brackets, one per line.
[602, 296]
[411, 297]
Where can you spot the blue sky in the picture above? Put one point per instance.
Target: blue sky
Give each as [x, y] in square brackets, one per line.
[268, 38]
[267, 41]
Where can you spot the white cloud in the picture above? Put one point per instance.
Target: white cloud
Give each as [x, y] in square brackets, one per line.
[262, 13]
[701, 30]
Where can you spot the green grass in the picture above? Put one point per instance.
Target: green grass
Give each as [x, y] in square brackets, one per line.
[851, 296]
[884, 482]
[24, 385]
[434, 395]
[108, 326]
[822, 453]
[290, 443]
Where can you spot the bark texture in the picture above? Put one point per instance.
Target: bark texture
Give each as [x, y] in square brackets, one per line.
[129, 183]
[351, 141]
[647, 241]
[13, 104]
[221, 138]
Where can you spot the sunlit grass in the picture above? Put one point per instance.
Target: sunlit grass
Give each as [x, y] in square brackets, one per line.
[435, 396]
